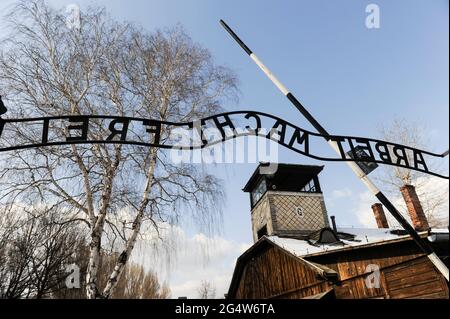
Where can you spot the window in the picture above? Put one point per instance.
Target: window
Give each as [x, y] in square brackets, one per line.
[310, 187]
[259, 190]
[262, 231]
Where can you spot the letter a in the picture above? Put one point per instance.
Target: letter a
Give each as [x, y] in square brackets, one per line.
[73, 279]
[373, 19]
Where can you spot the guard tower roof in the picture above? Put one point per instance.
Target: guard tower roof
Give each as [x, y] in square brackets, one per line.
[288, 175]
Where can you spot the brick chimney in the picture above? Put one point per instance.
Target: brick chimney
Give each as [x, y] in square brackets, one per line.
[380, 217]
[415, 209]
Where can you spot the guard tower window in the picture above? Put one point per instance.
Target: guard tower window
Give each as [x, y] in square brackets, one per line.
[287, 178]
[310, 187]
[262, 232]
[259, 191]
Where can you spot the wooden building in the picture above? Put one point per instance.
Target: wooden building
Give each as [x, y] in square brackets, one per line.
[297, 255]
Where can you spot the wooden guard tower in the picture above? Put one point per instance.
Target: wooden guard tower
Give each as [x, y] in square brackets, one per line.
[288, 202]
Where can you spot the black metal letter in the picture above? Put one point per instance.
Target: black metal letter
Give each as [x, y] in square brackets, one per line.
[198, 126]
[300, 138]
[84, 120]
[418, 159]
[253, 131]
[384, 154]
[153, 127]
[339, 141]
[123, 131]
[274, 130]
[400, 157]
[2, 124]
[221, 125]
[45, 131]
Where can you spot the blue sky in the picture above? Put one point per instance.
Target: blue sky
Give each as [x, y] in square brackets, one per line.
[353, 79]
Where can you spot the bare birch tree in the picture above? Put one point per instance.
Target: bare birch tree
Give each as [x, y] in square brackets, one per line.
[136, 282]
[433, 199]
[109, 68]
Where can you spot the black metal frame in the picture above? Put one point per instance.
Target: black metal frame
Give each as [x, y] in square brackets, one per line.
[300, 137]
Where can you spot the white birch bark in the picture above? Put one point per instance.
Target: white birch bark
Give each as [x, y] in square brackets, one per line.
[97, 228]
[124, 256]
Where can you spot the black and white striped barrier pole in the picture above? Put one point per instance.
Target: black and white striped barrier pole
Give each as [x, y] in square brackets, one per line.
[421, 243]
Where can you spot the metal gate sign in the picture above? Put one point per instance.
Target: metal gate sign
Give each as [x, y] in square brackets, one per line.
[42, 131]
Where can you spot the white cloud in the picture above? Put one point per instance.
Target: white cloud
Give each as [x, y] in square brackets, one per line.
[185, 261]
[338, 195]
[363, 209]
[341, 193]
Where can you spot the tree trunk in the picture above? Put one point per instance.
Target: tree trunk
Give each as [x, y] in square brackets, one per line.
[93, 265]
[124, 256]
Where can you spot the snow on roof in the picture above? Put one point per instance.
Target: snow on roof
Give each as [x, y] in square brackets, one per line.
[439, 231]
[363, 237]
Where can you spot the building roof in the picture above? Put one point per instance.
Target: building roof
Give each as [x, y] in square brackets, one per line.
[350, 239]
[261, 244]
[289, 173]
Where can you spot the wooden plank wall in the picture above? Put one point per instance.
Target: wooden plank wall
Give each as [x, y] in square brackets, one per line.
[415, 279]
[404, 272]
[276, 274]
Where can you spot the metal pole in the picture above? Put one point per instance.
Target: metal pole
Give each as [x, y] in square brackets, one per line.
[421, 243]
